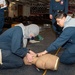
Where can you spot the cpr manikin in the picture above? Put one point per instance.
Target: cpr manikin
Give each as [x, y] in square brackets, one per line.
[47, 61]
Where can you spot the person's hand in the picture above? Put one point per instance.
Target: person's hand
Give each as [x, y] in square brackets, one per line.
[29, 57]
[26, 62]
[42, 53]
[32, 53]
[50, 16]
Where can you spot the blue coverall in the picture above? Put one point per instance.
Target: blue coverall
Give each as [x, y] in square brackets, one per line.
[1, 19]
[11, 45]
[67, 41]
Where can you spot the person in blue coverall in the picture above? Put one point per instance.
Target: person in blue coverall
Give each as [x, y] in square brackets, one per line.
[3, 6]
[13, 44]
[55, 7]
[65, 40]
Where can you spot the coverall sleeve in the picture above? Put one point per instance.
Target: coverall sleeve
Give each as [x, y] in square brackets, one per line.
[62, 39]
[50, 8]
[66, 6]
[16, 45]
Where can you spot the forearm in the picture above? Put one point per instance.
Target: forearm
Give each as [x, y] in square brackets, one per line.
[66, 6]
[42, 53]
[51, 7]
[21, 52]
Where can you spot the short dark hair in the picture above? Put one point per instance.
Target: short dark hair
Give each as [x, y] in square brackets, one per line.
[60, 15]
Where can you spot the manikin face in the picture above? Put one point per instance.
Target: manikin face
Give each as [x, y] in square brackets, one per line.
[61, 21]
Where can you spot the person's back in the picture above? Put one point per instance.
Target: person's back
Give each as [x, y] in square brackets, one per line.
[8, 36]
[69, 26]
